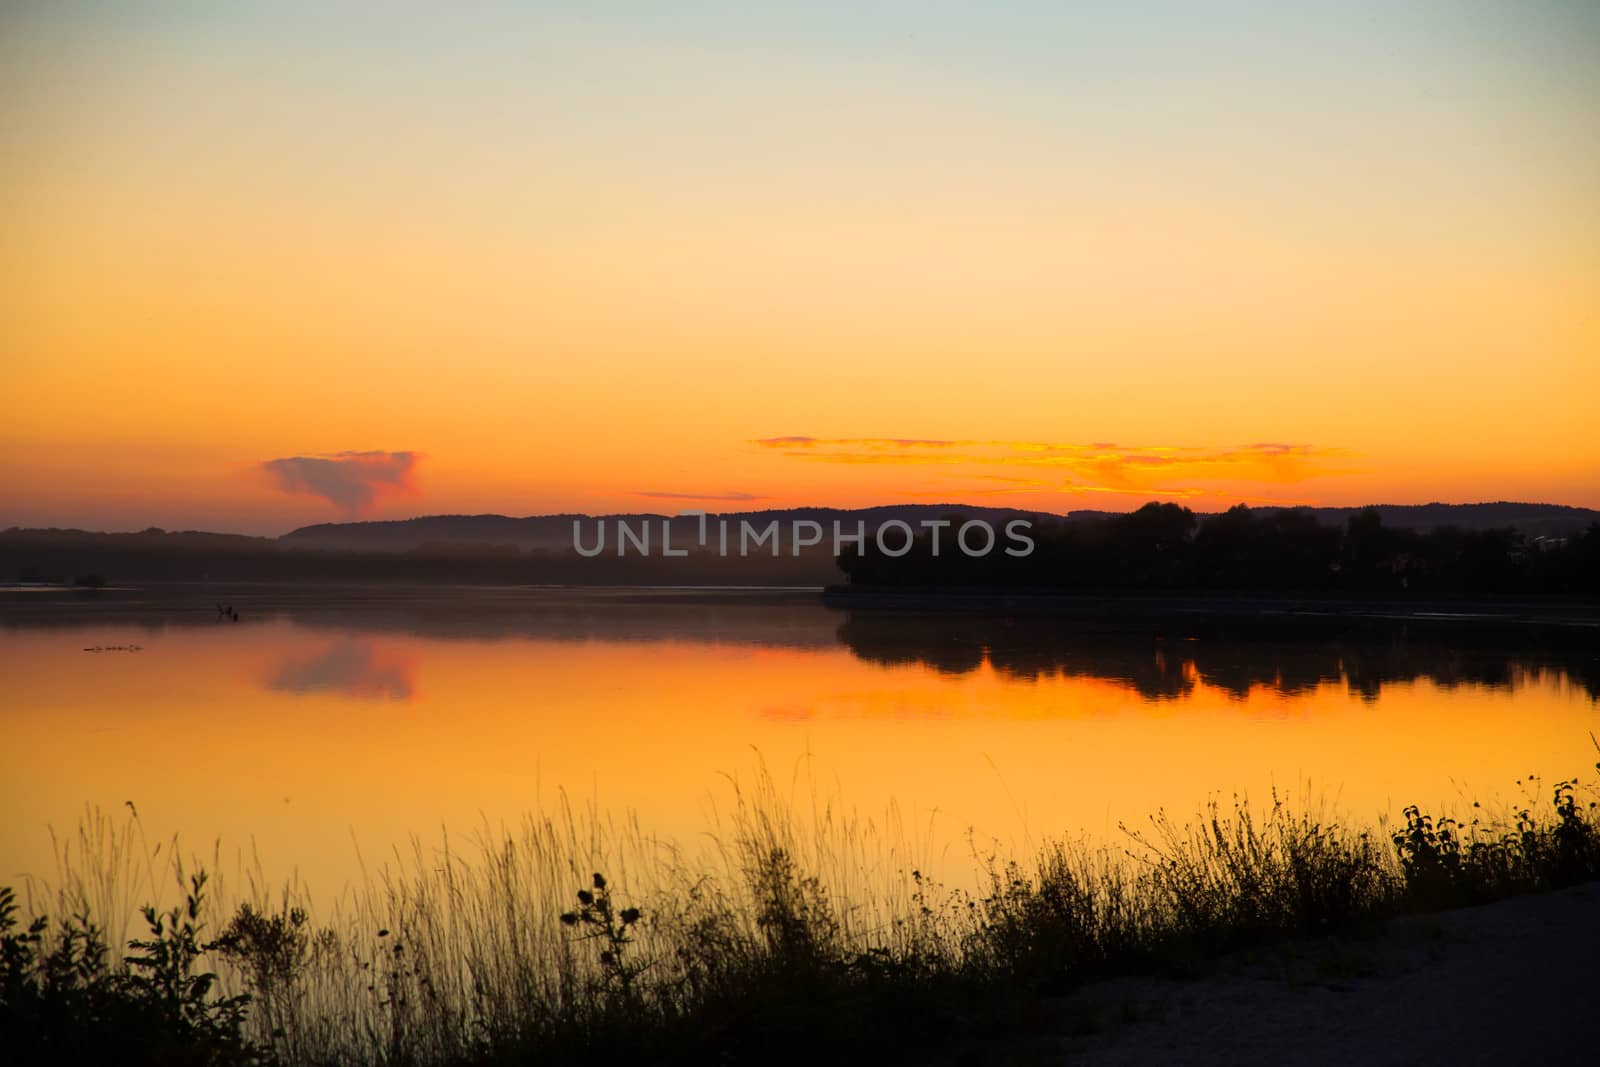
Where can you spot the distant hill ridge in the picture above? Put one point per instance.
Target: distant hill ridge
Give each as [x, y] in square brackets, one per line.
[555, 531]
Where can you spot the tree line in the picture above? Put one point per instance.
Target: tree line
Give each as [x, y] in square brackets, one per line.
[1164, 546]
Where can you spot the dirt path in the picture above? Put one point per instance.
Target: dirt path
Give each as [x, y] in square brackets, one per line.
[1507, 983]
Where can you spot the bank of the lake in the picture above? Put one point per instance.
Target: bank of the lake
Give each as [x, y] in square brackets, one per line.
[1229, 936]
[1278, 608]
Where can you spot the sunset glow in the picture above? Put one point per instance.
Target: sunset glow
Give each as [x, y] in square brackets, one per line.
[607, 258]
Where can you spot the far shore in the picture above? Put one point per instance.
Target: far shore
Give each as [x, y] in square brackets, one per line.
[1551, 613]
[1221, 605]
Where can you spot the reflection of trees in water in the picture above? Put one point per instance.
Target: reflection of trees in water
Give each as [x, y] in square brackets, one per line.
[1165, 664]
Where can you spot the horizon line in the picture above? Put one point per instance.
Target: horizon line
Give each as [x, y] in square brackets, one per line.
[14, 528]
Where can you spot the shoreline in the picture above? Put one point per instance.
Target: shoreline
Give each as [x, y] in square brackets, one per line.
[1392, 995]
[1556, 616]
[1559, 612]
[1228, 938]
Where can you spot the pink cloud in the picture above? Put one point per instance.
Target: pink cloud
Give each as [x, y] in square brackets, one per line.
[353, 481]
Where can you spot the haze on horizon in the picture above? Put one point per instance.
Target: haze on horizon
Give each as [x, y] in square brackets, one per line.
[269, 265]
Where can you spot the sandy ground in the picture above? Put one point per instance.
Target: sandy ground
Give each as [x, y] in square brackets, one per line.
[1508, 983]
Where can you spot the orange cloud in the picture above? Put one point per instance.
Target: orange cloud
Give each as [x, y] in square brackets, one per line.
[802, 441]
[735, 497]
[1099, 467]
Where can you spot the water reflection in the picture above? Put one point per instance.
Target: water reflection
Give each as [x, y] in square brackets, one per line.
[1168, 663]
[1158, 661]
[770, 619]
[377, 715]
[351, 668]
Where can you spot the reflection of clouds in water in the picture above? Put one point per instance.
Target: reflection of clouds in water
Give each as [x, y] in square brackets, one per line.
[350, 668]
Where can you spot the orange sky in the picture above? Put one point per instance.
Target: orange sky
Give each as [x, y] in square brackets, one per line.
[585, 258]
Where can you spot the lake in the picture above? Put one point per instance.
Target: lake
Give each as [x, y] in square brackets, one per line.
[323, 729]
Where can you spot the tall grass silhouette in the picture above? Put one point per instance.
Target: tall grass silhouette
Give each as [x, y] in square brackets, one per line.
[792, 934]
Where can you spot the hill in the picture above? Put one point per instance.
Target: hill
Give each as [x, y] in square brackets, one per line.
[1285, 547]
[555, 531]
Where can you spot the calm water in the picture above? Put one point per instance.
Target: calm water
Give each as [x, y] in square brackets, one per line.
[317, 724]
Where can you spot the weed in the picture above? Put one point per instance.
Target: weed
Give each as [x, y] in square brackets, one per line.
[790, 948]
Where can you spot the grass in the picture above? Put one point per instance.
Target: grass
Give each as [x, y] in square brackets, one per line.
[577, 940]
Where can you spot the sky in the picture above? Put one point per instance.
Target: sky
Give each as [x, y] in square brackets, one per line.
[267, 265]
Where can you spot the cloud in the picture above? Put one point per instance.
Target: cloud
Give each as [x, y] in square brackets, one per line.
[876, 443]
[1101, 466]
[350, 480]
[734, 497]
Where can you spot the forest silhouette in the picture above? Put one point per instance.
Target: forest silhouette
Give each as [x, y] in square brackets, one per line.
[1164, 546]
